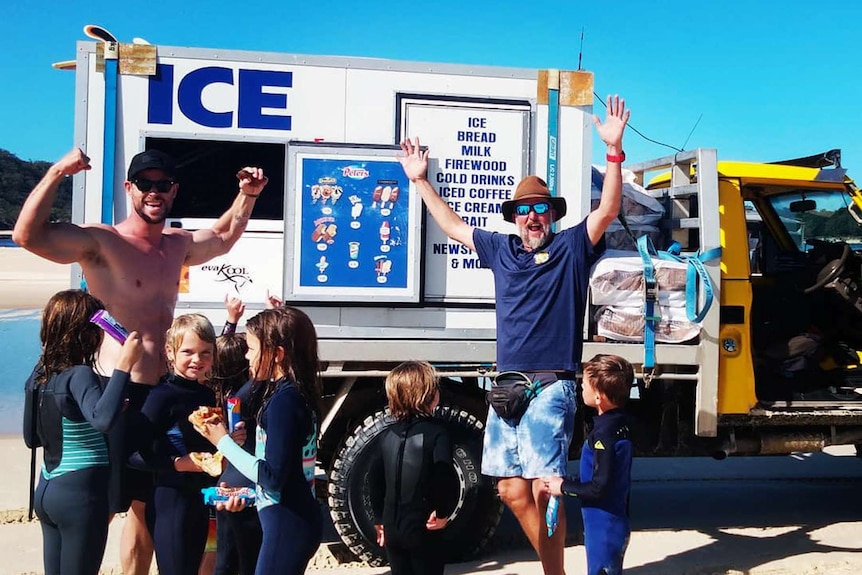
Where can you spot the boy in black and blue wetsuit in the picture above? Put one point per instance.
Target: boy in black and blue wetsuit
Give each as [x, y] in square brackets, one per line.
[605, 467]
[177, 518]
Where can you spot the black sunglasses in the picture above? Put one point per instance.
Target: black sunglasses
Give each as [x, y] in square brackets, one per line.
[145, 185]
[540, 208]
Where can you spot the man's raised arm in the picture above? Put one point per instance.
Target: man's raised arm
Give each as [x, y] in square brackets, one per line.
[415, 164]
[611, 133]
[218, 240]
[63, 243]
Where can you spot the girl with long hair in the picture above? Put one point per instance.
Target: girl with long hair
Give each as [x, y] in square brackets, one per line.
[68, 413]
[283, 360]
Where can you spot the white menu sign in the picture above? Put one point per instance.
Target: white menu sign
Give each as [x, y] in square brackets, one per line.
[478, 154]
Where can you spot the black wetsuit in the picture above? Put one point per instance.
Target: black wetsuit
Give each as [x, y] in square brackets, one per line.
[408, 480]
[73, 413]
[176, 516]
[239, 533]
[127, 483]
[603, 489]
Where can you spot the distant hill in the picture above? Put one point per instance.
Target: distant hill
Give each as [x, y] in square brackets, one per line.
[17, 179]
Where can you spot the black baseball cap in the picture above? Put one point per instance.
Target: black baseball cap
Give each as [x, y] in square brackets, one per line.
[151, 160]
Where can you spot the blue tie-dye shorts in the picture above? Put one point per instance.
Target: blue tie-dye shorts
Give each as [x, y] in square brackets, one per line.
[538, 444]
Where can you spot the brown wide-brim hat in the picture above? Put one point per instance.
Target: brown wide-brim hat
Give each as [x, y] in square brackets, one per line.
[533, 188]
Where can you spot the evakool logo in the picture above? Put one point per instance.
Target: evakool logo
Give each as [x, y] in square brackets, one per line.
[237, 275]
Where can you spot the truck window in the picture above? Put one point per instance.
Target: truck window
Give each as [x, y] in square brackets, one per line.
[816, 215]
[206, 171]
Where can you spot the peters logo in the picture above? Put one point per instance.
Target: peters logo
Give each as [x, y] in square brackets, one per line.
[354, 172]
[237, 275]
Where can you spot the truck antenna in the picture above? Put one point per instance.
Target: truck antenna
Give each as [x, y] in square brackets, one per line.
[692, 131]
[581, 49]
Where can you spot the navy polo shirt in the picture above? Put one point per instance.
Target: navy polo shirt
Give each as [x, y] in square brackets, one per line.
[541, 297]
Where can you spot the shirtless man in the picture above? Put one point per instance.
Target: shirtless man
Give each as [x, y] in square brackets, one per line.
[134, 268]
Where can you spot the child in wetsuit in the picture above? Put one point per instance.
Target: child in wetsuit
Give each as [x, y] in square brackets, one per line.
[605, 467]
[408, 477]
[239, 533]
[282, 352]
[67, 412]
[177, 518]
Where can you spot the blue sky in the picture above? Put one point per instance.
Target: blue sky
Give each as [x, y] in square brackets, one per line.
[766, 80]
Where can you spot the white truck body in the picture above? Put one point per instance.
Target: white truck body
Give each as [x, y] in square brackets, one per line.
[483, 126]
[339, 231]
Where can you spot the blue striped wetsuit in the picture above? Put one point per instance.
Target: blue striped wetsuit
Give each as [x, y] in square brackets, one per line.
[73, 413]
[283, 469]
[603, 489]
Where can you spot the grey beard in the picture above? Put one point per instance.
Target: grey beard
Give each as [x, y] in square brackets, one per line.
[534, 243]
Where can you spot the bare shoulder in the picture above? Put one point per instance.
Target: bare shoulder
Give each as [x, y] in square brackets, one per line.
[177, 234]
[97, 229]
[103, 237]
[178, 238]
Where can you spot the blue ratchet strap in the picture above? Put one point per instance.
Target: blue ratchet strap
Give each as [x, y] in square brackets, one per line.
[695, 274]
[650, 298]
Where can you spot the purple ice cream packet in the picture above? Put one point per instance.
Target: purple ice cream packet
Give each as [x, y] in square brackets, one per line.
[107, 322]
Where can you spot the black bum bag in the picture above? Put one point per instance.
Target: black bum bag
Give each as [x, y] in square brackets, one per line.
[511, 392]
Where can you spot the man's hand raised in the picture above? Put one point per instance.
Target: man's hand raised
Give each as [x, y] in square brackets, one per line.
[611, 132]
[414, 160]
[73, 162]
[251, 181]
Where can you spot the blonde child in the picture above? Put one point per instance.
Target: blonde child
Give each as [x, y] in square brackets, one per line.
[411, 502]
[177, 518]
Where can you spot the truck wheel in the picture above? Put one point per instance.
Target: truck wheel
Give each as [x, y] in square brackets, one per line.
[475, 517]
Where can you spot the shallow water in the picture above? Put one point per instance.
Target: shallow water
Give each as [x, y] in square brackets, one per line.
[19, 350]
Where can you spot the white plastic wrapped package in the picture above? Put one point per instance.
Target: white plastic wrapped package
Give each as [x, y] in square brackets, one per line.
[617, 238]
[627, 324]
[617, 279]
[638, 207]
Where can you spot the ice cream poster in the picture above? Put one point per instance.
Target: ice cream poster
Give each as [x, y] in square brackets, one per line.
[356, 228]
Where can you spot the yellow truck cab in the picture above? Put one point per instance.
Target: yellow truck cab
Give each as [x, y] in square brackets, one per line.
[776, 366]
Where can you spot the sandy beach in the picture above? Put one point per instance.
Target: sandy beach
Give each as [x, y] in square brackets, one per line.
[692, 551]
[27, 281]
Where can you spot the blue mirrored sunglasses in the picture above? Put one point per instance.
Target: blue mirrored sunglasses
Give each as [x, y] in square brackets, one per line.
[540, 208]
[145, 185]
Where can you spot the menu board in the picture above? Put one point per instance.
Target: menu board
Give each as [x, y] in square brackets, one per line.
[479, 151]
[354, 224]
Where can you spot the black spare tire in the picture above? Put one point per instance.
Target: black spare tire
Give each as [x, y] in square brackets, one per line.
[475, 517]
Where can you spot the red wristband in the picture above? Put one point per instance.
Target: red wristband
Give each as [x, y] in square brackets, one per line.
[619, 158]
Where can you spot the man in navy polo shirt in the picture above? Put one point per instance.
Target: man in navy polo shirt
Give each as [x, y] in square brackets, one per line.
[540, 284]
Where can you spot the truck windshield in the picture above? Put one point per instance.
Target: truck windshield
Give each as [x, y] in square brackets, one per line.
[817, 215]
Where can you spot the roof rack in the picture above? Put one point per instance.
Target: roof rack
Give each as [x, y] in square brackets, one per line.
[832, 158]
